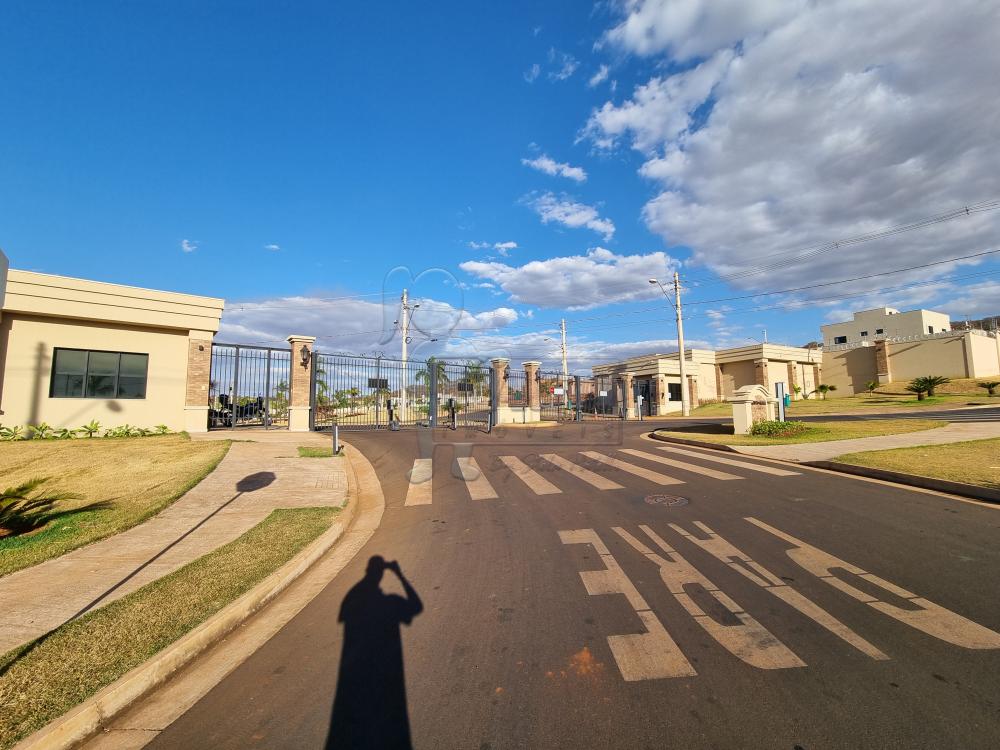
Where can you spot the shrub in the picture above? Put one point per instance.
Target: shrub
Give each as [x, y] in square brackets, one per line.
[91, 428]
[990, 386]
[774, 428]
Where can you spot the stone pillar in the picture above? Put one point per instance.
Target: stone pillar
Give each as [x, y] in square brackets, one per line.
[693, 391]
[505, 414]
[300, 383]
[760, 373]
[628, 397]
[661, 394]
[883, 372]
[720, 390]
[199, 373]
[533, 412]
[793, 379]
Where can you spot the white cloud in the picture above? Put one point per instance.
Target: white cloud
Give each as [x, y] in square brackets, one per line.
[532, 73]
[501, 247]
[272, 247]
[577, 282]
[599, 77]
[550, 166]
[565, 63]
[189, 246]
[479, 245]
[804, 123]
[567, 212]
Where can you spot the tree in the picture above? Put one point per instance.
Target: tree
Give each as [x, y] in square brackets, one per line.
[870, 386]
[797, 390]
[933, 381]
[475, 376]
[990, 386]
[918, 386]
[424, 375]
[822, 389]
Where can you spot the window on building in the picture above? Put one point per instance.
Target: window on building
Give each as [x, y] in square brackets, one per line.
[674, 391]
[930, 329]
[840, 339]
[879, 331]
[78, 373]
[864, 333]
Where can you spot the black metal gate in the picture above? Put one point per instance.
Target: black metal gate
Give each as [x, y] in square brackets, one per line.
[248, 387]
[600, 397]
[377, 393]
[557, 397]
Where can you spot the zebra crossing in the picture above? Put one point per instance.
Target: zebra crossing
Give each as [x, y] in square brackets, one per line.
[679, 462]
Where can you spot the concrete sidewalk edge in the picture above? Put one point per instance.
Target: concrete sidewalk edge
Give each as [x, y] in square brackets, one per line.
[912, 480]
[87, 718]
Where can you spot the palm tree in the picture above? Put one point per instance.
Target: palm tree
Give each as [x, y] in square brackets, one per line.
[870, 386]
[475, 375]
[424, 376]
[990, 386]
[918, 386]
[823, 389]
[933, 381]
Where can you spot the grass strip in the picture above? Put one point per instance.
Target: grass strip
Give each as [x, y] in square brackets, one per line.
[971, 462]
[308, 451]
[138, 476]
[42, 680]
[815, 432]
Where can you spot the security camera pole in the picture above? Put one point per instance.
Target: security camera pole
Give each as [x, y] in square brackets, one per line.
[676, 302]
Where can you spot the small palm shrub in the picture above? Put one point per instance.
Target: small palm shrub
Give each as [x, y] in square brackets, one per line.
[933, 381]
[91, 428]
[990, 386]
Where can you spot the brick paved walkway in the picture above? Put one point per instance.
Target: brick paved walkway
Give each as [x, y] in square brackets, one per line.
[252, 480]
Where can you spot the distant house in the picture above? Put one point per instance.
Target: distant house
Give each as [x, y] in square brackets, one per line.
[73, 350]
[885, 322]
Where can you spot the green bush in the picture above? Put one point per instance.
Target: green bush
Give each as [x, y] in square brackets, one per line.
[44, 431]
[774, 428]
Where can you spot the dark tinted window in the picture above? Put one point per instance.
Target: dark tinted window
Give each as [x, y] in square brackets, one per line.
[77, 373]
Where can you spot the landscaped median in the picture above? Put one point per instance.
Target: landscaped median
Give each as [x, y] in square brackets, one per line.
[809, 432]
[132, 479]
[42, 680]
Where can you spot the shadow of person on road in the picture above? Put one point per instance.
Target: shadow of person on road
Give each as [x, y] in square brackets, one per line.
[369, 710]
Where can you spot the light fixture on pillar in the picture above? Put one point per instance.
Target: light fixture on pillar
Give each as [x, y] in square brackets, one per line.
[506, 372]
[305, 355]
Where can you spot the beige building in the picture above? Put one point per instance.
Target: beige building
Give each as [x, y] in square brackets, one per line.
[73, 350]
[884, 322]
[953, 354]
[712, 375]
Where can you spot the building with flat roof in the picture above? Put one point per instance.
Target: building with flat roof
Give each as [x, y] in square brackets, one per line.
[884, 322]
[654, 380]
[73, 350]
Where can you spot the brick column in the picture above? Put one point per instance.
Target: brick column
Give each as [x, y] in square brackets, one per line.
[199, 373]
[793, 379]
[628, 396]
[760, 375]
[883, 372]
[300, 383]
[533, 412]
[693, 390]
[502, 397]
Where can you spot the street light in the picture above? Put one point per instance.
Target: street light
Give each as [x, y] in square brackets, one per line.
[676, 302]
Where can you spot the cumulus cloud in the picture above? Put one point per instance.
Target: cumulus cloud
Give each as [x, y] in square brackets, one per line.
[790, 124]
[189, 246]
[565, 211]
[599, 77]
[600, 277]
[550, 166]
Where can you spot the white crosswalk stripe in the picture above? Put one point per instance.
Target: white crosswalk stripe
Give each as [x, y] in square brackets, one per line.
[421, 482]
[592, 478]
[652, 476]
[476, 482]
[686, 466]
[535, 481]
[774, 471]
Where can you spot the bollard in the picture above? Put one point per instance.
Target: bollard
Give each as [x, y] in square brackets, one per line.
[336, 439]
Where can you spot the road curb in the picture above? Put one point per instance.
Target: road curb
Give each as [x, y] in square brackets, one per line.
[86, 719]
[912, 480]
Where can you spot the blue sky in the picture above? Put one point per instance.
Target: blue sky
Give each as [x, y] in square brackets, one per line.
[284, 155]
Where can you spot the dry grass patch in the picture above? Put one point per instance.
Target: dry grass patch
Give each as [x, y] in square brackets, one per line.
[972, 462]
[814, 432]
[137, 476]
[41, 681]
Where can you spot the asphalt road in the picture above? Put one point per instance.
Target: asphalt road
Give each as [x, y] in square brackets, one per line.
[689, 648]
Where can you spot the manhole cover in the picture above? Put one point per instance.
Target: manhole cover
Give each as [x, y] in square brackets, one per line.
[671, 501]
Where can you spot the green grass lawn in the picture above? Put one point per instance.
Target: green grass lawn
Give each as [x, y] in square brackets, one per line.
[831, 405]
[137, 476]
[43, 680]
[971, 462]
[311, 451]
[815, 432]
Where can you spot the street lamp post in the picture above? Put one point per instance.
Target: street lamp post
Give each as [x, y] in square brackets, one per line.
[676, 302]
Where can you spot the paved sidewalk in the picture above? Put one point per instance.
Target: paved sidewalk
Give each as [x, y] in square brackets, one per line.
[952, 433]
[253, 479]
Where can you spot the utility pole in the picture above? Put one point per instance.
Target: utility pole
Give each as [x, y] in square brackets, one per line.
[565, 383]
[405, 313]
[765, 335]
[685, 396]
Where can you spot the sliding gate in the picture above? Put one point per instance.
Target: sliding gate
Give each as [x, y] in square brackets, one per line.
[377, 393]
[248, 387]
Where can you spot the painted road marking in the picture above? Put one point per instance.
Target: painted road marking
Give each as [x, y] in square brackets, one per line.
[929, 618]
[722, 550]
[640, 656]
[742, 464]
[694, 468]
[421, 482]
[652, 476]
[535, 481]
[588, 476]
[475, 481]
[748, 640]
